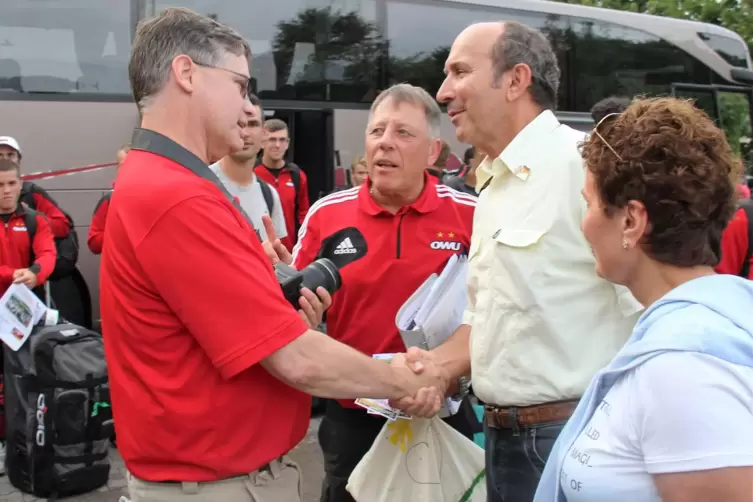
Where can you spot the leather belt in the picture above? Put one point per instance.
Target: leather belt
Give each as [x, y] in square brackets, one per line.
[264, 468]
[513, 417]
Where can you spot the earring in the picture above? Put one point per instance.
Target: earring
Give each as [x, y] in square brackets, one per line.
[625, 244]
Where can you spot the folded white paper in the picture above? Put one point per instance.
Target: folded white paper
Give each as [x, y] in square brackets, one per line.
[435, 310]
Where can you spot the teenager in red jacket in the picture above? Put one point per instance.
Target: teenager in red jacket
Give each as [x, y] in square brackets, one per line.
[27, 255]
[34, 196]
[24, 259]
[287, 178]
[96, 236]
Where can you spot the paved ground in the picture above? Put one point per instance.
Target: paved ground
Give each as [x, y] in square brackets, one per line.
[307, 454]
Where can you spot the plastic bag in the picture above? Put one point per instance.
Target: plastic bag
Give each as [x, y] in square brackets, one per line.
[420, 461]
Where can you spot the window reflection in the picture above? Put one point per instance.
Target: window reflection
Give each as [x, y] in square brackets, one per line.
[420, 37]
[731, 50]
[61, 48]
[320, 50]
[615, 60]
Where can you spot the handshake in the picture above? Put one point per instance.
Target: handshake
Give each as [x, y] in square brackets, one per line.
[426, 383]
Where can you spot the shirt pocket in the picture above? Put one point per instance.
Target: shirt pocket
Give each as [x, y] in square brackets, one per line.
[516, 267]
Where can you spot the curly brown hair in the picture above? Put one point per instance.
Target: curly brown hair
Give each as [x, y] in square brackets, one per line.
[670, 156]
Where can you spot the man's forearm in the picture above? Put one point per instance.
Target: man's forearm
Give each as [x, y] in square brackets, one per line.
[454, 355]
[319, 365]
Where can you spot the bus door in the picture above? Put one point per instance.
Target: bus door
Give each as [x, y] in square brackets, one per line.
[311, 146]
[732, 109]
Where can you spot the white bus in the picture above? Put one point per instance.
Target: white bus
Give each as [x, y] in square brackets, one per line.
[64, 91]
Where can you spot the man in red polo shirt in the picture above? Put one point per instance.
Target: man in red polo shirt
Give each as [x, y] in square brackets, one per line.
[209, 364]
[407, 226]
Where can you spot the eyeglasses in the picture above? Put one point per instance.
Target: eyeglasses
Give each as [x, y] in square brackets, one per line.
[596, 132]
[245, 85]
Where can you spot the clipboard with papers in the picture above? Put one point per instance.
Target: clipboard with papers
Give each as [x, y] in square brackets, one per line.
[435, 310]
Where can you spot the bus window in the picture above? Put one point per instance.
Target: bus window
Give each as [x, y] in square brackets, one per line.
[731, 50]
[65, 47]
[615, 60]
[705, 99]
[312, 50]
[420, 36]
[735, 118]
[597, 59]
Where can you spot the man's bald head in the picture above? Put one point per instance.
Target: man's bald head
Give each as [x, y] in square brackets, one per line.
[510, 43]
[482, 32]
[499, 76]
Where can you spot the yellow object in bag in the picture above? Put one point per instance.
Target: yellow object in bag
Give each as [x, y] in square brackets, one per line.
[420, 461]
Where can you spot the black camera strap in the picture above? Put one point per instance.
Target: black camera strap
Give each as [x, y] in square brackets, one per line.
[158, 144]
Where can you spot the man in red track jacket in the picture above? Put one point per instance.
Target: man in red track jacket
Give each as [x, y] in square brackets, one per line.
[23, 259]
[287, 178]
[386, 237]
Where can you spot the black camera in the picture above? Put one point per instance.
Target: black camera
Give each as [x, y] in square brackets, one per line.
[323, 272]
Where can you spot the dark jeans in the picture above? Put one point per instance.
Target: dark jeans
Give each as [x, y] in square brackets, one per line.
[346, 435]
[515, 459]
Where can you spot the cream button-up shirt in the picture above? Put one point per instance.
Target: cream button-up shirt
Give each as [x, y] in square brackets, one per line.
[542, 321]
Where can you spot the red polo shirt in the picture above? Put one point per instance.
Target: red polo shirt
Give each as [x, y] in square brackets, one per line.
[190, 307]
[403, 249]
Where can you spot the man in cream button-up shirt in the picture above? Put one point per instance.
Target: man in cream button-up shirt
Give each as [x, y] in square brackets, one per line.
[543, 321]
[540, 322]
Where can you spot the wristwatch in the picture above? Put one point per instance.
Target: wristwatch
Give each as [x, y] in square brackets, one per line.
[463, 389]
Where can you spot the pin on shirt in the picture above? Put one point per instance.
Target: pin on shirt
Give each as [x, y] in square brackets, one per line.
[523, 172]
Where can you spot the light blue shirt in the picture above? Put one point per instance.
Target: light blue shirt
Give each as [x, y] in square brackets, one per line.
[691, 349]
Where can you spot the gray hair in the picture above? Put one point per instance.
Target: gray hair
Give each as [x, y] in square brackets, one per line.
[518, 44]
[406, 93]
[173, 32]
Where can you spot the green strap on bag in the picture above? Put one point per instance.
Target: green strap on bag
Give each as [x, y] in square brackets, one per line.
[467, 495]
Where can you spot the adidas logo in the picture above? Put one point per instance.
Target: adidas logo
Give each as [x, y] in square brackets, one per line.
[345, 247]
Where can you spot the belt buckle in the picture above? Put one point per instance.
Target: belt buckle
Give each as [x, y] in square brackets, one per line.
[501, 418]
[508, 417]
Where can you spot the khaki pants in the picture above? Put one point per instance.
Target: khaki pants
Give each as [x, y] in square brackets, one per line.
[282, 483]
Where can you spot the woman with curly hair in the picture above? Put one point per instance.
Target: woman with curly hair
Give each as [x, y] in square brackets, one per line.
[671, 417]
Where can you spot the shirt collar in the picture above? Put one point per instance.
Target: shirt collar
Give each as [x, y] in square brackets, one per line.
[427, 202]
[523, 146]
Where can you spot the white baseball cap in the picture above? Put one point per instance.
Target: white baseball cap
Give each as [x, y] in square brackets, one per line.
[11, 142]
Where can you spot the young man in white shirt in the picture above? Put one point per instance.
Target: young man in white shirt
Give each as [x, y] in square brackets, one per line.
[236, 172]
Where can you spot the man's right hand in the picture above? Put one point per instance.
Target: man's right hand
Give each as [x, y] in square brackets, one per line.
[25, 276]
[431, 380]
[273, 247]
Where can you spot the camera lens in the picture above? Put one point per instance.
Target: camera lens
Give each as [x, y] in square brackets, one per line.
[324, 273]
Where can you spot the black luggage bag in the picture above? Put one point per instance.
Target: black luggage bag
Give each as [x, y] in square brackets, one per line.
[58, 414]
